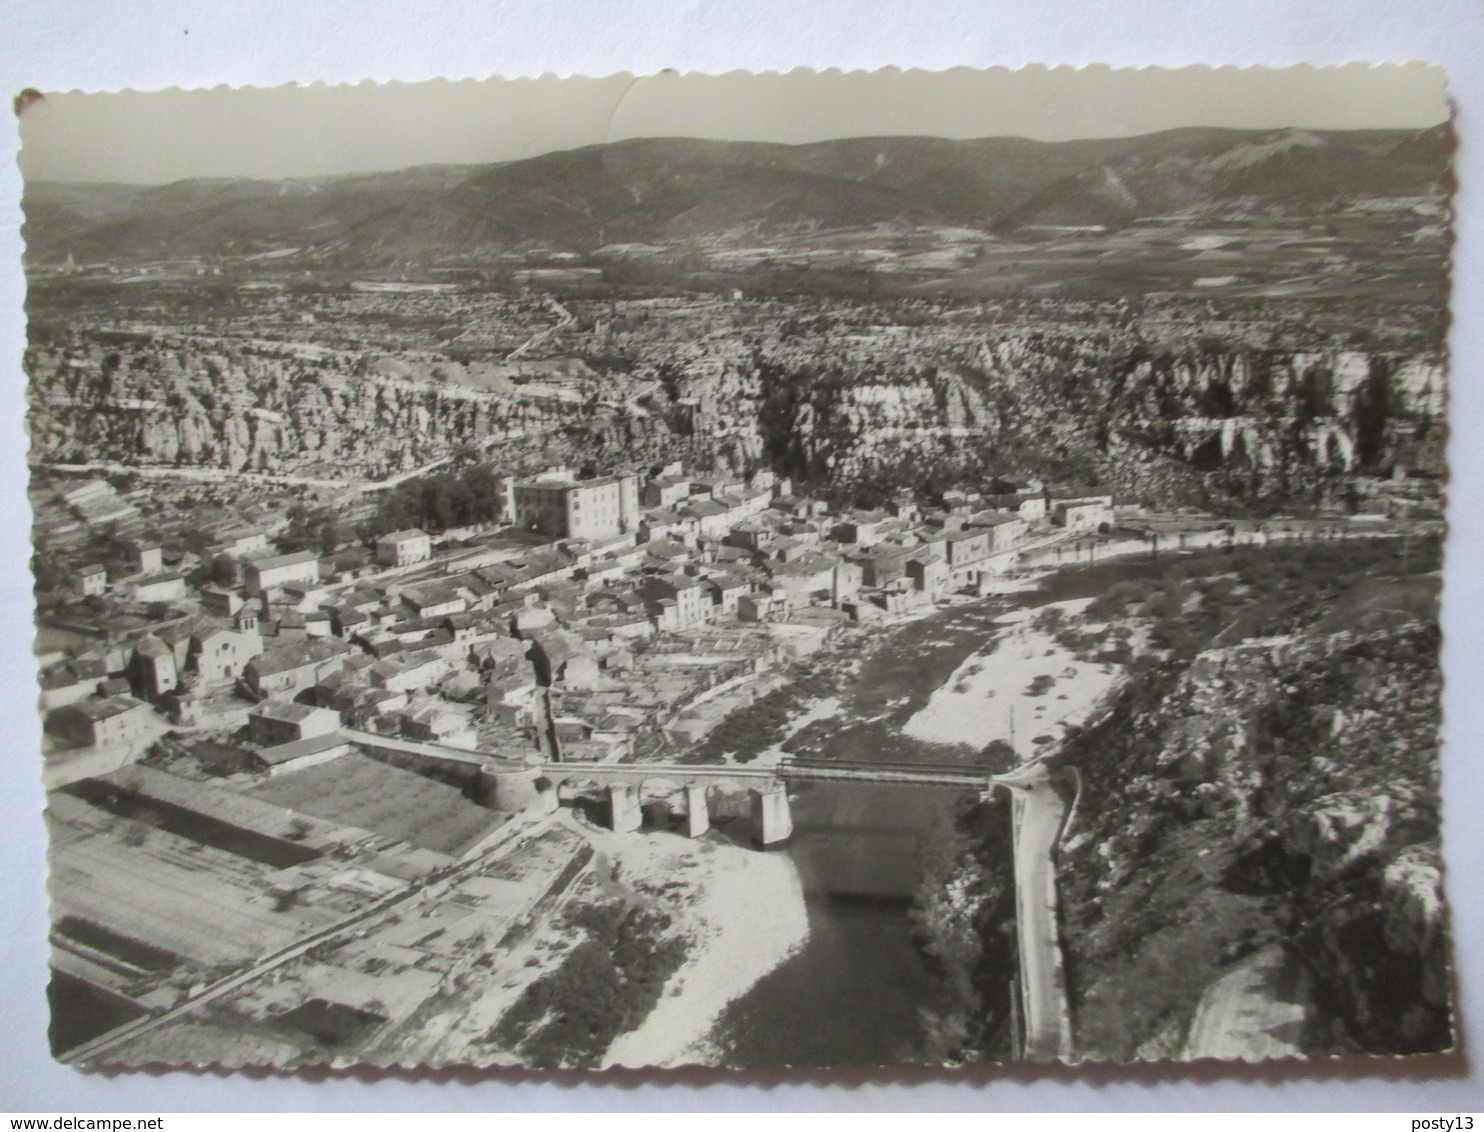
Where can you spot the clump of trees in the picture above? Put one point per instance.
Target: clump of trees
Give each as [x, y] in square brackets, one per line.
[962, 917]
[607, 986]
[310, 528]
[460, 498]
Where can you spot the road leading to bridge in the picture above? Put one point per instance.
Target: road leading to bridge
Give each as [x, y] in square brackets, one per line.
[1038, 811]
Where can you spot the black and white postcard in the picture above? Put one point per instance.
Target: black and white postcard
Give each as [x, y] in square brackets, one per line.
[754, 571]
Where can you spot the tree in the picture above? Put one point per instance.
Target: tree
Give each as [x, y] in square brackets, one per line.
[1375, 402]
[226, 571]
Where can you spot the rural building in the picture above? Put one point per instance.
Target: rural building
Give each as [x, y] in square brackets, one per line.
[289, 669]
[262, 575]
[280, 721]
[240, 542]
[1032, 507]
[153, 667]
[666, 491]
[1003, 531]
[304, 597]
[404, 548]
[928, 573]
[862, 530]
[762, 606]
[160, 587]
[848, 578]
[1027, 504]
[223, 603]
[433, 724]
[964, 548]
[499, 654]
[564, 657]
[805, 574]
[725, 589]
[410, 671]
[435, 600]
[689, 601]
[1083, 514]
[69, 683]
[110, 721]
[884, 566]
[752, 534]
[146, 557]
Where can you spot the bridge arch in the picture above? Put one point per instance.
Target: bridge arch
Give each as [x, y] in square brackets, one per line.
[626, 787]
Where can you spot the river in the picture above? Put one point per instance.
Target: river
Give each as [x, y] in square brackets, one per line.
[852, 994]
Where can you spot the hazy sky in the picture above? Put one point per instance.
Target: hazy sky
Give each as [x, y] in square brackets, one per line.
[308, 131]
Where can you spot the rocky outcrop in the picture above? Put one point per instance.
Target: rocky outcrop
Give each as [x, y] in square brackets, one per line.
[1301, 770]
[1242, 422]
[1354, 828]
[243, 409]
[1416, 918]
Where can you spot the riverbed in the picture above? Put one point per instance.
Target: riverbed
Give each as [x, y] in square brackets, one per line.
[852, 995]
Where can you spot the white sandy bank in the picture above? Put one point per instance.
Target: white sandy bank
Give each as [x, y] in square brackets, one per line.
[743, 911]
[976, 704]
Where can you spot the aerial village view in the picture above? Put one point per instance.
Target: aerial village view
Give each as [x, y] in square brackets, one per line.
[666, 602]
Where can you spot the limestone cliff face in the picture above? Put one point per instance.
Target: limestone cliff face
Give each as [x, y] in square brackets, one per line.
[245, 411]
[1205, 423]
[1268, 777]
[1246, 422]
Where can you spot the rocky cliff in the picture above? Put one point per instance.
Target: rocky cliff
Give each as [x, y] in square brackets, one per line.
[1222, 423]
[1194, 424]
[243, 407]
[1281, 788]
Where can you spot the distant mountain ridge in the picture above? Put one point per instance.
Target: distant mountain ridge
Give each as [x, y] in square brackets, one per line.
[664, 190]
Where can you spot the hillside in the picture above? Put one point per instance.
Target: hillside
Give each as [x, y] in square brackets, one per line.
[1266, 791]
[665, 190]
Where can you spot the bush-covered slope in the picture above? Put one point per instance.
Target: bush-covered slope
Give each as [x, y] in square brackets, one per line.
[1281, 787]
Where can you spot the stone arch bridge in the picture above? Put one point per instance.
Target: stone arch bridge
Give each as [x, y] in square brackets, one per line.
[626, 784]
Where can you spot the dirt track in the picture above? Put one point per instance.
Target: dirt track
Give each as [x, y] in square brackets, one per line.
[1254, 1012]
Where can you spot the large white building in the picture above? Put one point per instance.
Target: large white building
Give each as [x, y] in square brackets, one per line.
[562, 506]
[1090, 513]
[271, 572]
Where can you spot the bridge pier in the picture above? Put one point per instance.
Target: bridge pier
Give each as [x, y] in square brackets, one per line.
[772, 823]
[697, 816]
[624, 814]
